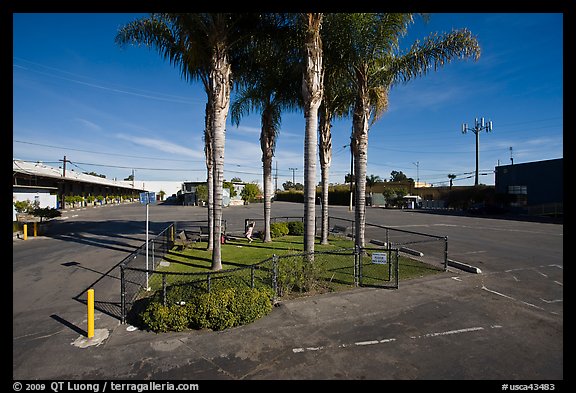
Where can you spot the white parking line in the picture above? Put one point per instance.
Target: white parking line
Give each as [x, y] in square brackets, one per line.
[511, 298]
[389, 340]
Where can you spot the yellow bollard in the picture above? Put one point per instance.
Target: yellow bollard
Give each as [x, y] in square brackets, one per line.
[35, 229]
[25, 229]
[90, 313]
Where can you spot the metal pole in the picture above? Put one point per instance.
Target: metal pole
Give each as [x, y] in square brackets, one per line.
[147, 286]
[275, 275]
[445, 253]
[90, 303]
[164, 289]
[477, 155]
[122, 295]
[351, 174]
[153, 261]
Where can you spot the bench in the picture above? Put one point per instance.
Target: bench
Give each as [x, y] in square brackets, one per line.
[339, 230]
[182, 241]
[204, 233]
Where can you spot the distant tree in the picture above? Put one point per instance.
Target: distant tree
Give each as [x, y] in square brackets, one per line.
[46, 213]
[230, 186]
[349, 178]
[202, 193]
[371, 180]
[250, 192]
[95, 174]
[394, 196]
[287, 185]
[398, 176]
[162, 193]
[236, 180]
[130, 178]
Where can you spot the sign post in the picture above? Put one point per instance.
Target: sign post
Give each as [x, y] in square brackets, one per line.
[147, 198]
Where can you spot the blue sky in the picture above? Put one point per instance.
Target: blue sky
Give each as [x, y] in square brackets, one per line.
[111, 110]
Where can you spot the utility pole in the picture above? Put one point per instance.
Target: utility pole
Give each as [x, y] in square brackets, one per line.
[511, 158]
[293, 178]
[64, 166]
[417, 163]
[478, 126]
[62, 202]
[276, 179]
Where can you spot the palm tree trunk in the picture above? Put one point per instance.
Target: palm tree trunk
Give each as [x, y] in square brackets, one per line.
[267, 147]
[312, 93]
[267, 199]
[220, 80]
[360, 136]
[325, 160]
[208, 152]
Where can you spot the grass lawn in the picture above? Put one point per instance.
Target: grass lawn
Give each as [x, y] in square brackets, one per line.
[336, 269]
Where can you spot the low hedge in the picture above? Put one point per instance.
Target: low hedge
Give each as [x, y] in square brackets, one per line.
[283, 228]
[229, 303]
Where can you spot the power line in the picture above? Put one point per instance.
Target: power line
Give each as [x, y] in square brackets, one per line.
[104, 153]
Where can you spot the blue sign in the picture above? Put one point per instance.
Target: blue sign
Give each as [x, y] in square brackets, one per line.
[147, 197]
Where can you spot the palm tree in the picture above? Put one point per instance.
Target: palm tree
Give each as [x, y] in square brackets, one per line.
[269, 84]
[312, 90]
[336, 103]
[372, 180]
[202, 46]
[376, 64]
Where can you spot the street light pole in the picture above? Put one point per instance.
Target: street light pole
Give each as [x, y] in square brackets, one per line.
[478, 126]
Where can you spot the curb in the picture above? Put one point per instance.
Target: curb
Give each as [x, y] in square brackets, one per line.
[463, 266]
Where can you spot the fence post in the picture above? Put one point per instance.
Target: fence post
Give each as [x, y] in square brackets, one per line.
[360, 253]
[275, 275]
[164, 289]
[387, 238]
[445, 253]
[153, 263]
[356, 273]
[397, 270]
[122, 295]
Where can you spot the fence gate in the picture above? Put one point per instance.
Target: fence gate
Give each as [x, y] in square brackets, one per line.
[376, 267]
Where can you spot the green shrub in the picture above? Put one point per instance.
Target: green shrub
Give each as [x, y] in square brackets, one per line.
[23, 206]
[160, 318]
[296, 274]
[46, 212]
[278, 229]
[296, 228]
[230, 303]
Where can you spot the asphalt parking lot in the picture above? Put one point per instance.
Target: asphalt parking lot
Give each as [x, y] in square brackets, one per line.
[504, 324]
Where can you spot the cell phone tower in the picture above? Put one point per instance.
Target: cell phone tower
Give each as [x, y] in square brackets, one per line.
[478, 126]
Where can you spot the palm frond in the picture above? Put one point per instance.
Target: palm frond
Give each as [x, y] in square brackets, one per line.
[434, 52]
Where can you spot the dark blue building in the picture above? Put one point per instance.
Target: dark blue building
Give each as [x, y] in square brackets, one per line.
[533, 183]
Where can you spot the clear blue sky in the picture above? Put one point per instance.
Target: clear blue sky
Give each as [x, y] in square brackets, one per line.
[111, 110]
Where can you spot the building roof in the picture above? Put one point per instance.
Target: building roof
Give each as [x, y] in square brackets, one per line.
[39, 169]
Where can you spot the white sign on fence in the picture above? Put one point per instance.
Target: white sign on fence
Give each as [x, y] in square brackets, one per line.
[379, 257]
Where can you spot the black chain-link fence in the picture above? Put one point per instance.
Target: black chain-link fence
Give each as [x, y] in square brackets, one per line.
[426, 248]
[142, 274]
